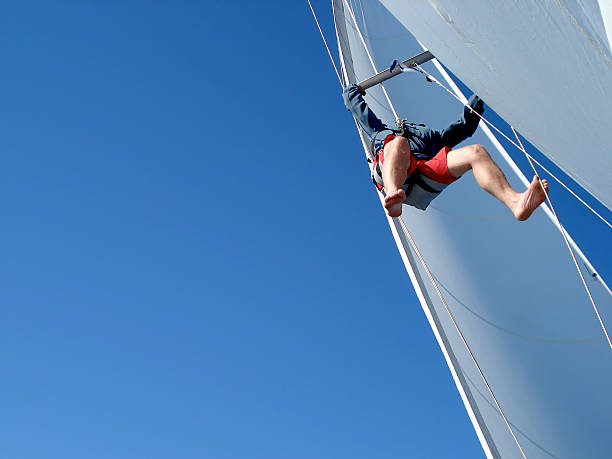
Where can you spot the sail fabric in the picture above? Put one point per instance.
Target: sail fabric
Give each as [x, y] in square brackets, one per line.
[511, 286]
[598, 16]
[605, 8]
[545, 66]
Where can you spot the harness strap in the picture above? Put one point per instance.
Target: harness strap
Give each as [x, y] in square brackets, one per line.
[418, 180]
[394, 131]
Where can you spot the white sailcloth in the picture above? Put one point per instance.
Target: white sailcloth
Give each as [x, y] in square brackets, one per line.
[511, 286]
[545, 66]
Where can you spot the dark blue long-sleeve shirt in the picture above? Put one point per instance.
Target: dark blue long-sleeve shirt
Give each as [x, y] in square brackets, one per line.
[424, 141]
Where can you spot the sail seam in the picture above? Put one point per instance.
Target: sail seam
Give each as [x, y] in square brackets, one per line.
[584, 32]
[511, 332]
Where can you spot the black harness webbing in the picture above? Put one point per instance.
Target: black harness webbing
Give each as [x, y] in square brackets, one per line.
[400, 131]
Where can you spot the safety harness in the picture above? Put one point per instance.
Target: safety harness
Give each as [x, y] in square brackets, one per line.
[420, 189]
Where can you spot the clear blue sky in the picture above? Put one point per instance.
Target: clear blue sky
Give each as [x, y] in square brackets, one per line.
[183, 275]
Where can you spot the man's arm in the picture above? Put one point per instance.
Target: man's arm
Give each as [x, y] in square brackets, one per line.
[464, 127]
[353, 99]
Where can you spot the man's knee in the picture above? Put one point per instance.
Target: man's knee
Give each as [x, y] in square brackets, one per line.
[463, 159]
[400, 145]
[477, 152]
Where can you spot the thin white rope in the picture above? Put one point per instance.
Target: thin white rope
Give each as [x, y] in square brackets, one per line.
[431, 278]
[325, 41]
[365, 47]
[569, 247]
[490, 124]
[452, 317]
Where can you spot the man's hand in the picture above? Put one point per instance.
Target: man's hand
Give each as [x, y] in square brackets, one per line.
[353, 86]
[477, 105]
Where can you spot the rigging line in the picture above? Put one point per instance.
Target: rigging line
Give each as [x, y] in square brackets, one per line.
[603, 327]
[365, 47]
[423, 261]
[490, 124]
[325, 41]
[380, 104]
[450, 314]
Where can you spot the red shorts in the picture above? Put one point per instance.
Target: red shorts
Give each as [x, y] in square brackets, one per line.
[434, 168]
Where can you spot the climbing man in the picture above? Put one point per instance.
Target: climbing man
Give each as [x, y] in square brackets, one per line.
[414, 164]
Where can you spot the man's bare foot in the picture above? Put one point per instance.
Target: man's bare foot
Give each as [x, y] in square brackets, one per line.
[530, 199]
[393, 203]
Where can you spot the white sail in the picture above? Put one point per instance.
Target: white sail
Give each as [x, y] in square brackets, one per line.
[512, 287]
[545, 66]
[605, 10]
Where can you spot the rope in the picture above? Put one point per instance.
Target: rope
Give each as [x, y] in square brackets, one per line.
[433, 79]
[569, 247]
[325, 41]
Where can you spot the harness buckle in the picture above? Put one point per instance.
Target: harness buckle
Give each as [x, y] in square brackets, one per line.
[400, 126]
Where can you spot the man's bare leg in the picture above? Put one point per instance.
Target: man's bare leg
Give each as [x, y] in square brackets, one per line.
[491, 179]
[394, 172]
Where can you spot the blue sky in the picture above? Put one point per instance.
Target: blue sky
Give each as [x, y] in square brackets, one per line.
[191, 245]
